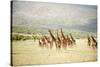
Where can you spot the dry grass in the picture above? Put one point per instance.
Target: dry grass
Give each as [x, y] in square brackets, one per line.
[28, 52]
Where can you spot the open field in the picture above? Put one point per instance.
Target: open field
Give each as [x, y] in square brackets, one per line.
[28, 52]
[36, 26]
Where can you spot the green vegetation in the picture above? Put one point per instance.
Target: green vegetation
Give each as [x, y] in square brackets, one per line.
[44, 31]
[22, 36]
[17, 37]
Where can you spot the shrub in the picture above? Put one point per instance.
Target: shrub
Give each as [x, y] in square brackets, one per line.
[20, 37]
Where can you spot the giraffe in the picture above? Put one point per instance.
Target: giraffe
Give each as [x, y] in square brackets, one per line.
[58, 41]
[63, 39]
[73, 40]
[53, 39]
[43, 41]
[48, 41]
[69, 42]
[89, 40]
[94, 42]
[40, 43]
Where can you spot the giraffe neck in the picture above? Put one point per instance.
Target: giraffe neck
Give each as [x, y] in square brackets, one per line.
[93, 39]
[52, 36]
[62, 34]
[58, 36]
[71, 37]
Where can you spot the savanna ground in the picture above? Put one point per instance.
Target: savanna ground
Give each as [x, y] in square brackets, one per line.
[28, 52]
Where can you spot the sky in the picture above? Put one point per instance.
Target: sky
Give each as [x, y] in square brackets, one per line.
[55, 15]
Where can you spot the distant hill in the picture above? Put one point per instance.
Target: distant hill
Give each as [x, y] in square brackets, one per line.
[30, 30]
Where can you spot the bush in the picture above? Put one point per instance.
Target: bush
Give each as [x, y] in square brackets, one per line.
[20, 37]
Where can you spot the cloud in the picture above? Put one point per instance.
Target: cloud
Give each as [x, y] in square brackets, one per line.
[91, 26]
[55, 15]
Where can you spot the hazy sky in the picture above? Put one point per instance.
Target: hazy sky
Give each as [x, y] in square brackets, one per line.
[54, 15]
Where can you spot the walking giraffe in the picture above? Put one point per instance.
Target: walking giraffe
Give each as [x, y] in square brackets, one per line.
[58, 41]
[63, 39]
[53, 39]
[73, 40]
[69, 42]
[94, 42]
[48, 41]
[89, 40]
